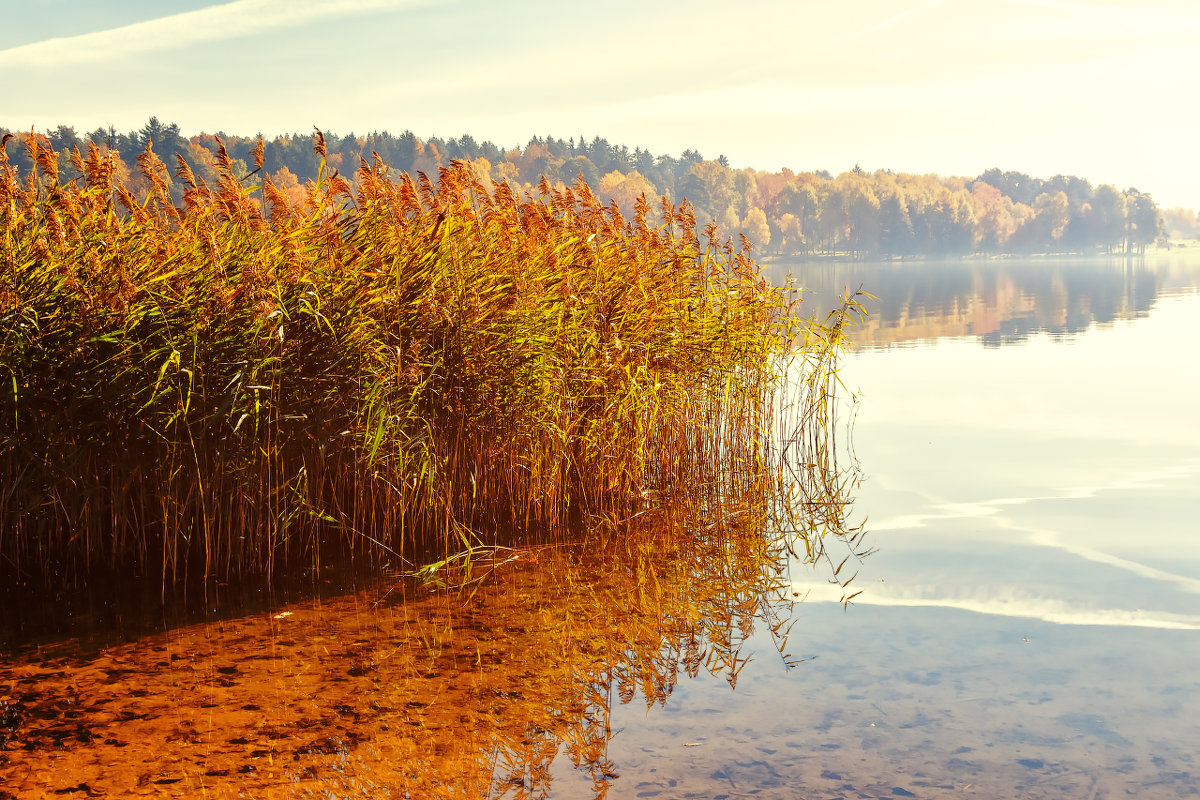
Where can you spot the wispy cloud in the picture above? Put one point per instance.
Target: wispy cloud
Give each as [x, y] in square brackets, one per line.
[240, 18]
[1062, 5]
[1086, 20]
[896, 19]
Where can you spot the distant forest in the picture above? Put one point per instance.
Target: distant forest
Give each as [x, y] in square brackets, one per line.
[859, 213]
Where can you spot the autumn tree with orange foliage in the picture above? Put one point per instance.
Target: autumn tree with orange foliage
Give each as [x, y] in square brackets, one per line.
[855, 214]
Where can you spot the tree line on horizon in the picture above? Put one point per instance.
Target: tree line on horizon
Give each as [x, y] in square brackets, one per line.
[859, 213]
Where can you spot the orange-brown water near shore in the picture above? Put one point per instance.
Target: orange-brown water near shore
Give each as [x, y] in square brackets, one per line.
[398, 690]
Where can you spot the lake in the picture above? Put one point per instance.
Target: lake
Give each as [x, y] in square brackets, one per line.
[1027, 435]
[1029, 623]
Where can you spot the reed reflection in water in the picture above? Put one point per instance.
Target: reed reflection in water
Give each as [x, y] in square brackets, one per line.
[469, 690]
[399, 689]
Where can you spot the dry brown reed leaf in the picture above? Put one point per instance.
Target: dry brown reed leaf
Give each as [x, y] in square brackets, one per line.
[282, 214]
[184, 172]
[409, 198]
[426, 192]
[561, 201]
[131, 204]
[480, 197]
[98, 167]
[224, 163]
[76, 160]
[257, 153]
[339, 189]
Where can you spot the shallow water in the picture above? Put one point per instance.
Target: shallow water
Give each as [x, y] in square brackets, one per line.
[395, 690]
[1030, 621]
[1031, 435]
[1028, 625]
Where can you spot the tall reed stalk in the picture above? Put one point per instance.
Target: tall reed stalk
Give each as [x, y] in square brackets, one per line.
[393, 367]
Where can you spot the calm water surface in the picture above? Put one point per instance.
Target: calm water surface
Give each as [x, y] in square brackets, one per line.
[1029, 622]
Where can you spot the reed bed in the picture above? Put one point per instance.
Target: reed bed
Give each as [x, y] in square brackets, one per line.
[395, 368]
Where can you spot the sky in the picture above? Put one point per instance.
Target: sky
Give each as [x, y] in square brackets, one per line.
[1108, 90]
